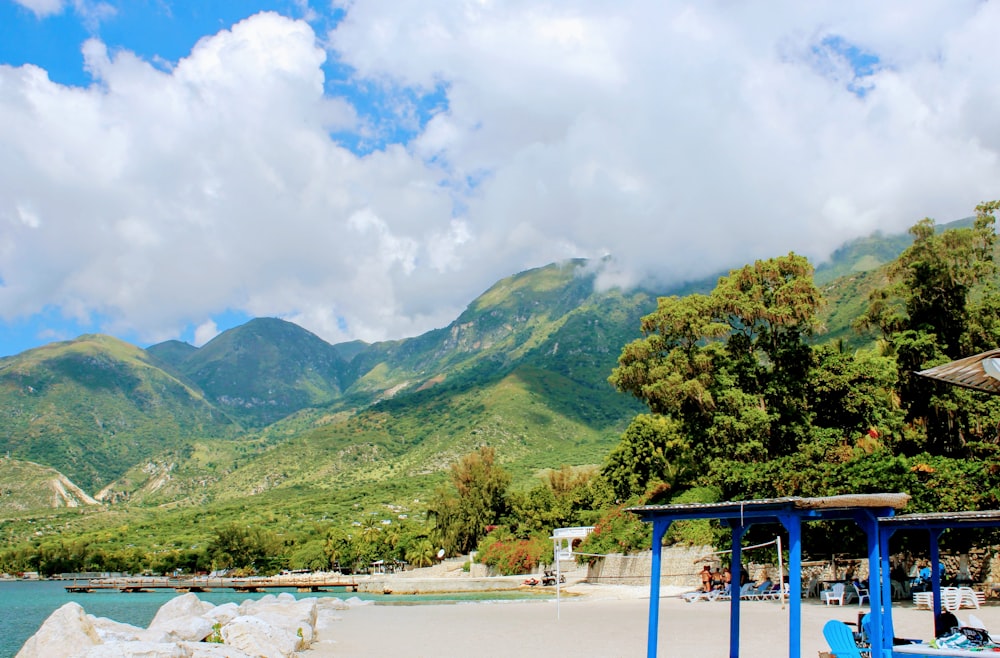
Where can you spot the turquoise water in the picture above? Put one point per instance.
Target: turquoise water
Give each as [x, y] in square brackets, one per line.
[25, 605]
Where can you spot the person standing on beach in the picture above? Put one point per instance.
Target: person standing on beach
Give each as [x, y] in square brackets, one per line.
[706, 579]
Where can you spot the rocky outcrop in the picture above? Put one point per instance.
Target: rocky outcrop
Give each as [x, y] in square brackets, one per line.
[186, 627]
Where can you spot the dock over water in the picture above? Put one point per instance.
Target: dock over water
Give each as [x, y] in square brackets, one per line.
[303, 583]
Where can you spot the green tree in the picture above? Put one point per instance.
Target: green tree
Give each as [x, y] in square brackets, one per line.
[479, 500]
[652, 449]
[245, 548]
[731, 368]
[934, 310]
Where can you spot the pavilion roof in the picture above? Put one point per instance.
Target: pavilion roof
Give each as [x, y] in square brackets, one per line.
[972, 518]
[978, 372]
[768, 506]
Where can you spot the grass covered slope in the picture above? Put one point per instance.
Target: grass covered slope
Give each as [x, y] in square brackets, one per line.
[94, 406]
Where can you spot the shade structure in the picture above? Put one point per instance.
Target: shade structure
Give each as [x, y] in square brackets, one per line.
[979, 372]
[790, 512]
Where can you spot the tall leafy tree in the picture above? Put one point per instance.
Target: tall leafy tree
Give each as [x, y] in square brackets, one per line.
[931, 313]
[731, 368]
[479, 500]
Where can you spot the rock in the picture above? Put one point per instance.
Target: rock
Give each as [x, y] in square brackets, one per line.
[179, 607]
[209, 650]
[332, 603]
[136, 650]
[257, 637]
[354, 602]
[271, 627]
[285, 612]
[110, 630]
[68, 632]
[223, 614]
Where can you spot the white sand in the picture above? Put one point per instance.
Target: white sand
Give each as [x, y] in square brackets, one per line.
[604, 621]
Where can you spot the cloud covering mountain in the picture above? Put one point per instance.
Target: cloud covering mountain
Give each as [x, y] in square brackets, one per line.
[366, 172]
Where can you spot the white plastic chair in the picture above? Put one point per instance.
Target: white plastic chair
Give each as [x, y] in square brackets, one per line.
[968, 598]
[834, 595]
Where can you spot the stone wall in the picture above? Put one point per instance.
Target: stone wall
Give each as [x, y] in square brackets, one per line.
[679, 566]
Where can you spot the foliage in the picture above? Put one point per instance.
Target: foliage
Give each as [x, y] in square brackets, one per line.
[508, 555]
[564, 497]
[938, 307]
[479, 500]
[249, 549]
[617, 531]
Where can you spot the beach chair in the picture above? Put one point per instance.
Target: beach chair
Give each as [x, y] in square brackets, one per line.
[969, 598]
[840, 637]
[747, 592]
[691, 597]
[950, 599]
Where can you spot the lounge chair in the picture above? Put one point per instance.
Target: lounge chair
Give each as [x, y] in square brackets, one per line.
[970, 598]
[747, 592]
[760, 593]
[701, 595]
[840, 637]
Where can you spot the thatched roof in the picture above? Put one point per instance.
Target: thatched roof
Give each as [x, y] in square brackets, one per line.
[980, 372]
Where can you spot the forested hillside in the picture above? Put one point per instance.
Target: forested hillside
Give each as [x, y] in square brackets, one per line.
[762, 384]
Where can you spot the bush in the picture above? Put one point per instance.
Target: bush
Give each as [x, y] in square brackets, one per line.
[508, 556]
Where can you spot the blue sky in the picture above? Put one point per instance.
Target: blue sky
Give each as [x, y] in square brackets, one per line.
[172, 169]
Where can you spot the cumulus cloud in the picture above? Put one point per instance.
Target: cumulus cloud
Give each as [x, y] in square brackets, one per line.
[680, 138]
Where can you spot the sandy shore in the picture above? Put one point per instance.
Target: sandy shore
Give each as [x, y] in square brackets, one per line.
[601, 621]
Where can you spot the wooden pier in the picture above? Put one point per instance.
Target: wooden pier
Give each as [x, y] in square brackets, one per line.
[302, 583]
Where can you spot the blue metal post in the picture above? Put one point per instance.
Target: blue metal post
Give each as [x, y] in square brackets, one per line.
[878, 579]
[884, 642]
[659, 529]
[936, 571]
[793, 524]
[735, 571]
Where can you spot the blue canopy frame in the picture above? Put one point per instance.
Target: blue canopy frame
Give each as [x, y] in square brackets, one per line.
[867, 510]
[934, 524]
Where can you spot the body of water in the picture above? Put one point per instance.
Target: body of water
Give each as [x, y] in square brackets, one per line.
[24, 605]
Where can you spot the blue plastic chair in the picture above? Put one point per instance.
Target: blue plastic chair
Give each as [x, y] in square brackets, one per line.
[840, 637]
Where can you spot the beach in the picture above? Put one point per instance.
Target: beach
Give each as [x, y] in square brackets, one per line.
[597, 621]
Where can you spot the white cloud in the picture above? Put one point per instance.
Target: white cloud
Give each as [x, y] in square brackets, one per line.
[205, 332]
[42, 8]
[679, 137]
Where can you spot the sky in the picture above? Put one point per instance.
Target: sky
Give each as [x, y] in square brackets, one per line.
[366, 169]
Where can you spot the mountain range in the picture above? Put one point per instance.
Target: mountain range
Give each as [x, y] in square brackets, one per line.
[268, 410]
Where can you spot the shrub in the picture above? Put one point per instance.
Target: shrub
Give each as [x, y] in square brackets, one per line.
[513, 556]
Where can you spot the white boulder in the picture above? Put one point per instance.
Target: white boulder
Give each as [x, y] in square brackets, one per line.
[257, 637]
[68, 632]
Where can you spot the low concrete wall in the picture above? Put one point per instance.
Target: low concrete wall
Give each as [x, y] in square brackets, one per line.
[439, 585]
[679, 565]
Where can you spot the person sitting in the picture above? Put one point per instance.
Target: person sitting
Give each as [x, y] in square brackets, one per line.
[764, 583]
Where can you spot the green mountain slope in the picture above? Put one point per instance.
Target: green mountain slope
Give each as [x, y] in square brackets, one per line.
[94, 406]
[524, 369]
[265, 370]
[27, 486]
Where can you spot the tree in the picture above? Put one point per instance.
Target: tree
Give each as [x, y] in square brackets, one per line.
[930, 314]
[651, 449]
[479, 500]
[730, 367]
